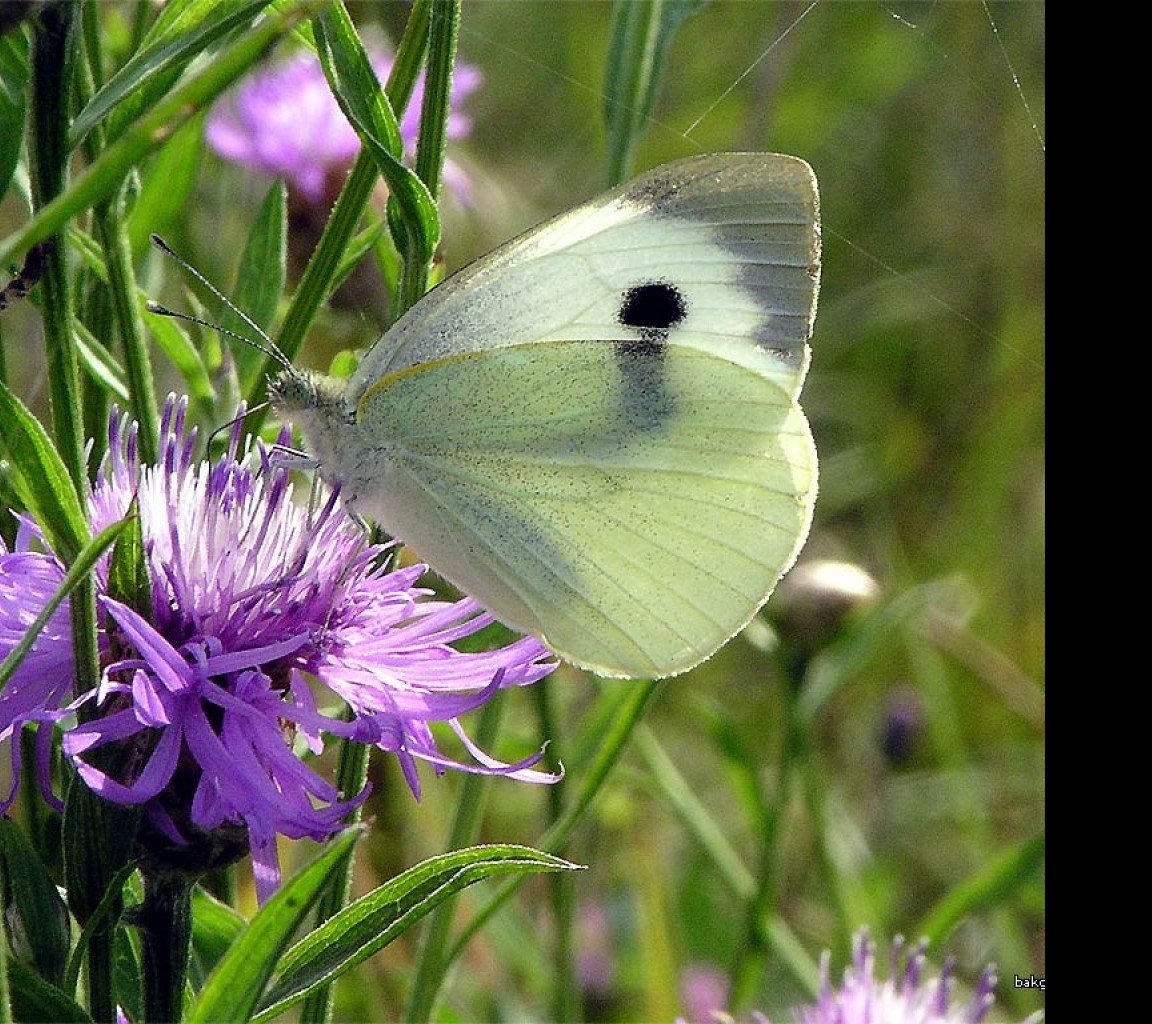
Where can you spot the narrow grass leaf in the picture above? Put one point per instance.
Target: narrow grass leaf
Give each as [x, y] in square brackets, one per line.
[359, 247]
[99, 364]
[990, 886]
[215, 927]
[183, 30]
[695, 815]
[41, 479]
[171, 338]
[642, 32]
[184, 355]
[259, 280]
[235, 986]
[366, 106]
[33, 906]
[166, 184]
[13, 102]
[34, 999]
[366, 926]
[106, 913]
[129, 580]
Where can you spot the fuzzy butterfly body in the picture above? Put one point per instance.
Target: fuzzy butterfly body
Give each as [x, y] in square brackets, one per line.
[594, 430]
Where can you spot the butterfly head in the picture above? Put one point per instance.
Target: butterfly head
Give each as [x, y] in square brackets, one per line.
[315, 404]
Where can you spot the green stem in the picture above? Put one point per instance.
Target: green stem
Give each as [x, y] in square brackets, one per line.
[565, 990]
[165, 923]
[432, 140]
[634, 702]
[351, 775]
[110, 229]
[762, 906]
[316, 282]
[53, 53]
[430, 961]
[5, 988]
[443, 30]
[121, 287]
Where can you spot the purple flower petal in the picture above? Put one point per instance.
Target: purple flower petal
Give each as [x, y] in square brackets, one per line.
[249, 592]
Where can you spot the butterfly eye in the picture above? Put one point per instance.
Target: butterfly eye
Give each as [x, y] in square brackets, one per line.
[655, 306]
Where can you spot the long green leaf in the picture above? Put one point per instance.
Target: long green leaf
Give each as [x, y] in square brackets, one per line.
[987, 887]
[366, 106]
[35, 999]
[183, 30]
[129, 580]
[34, 908]
[13, 102]
[316, 284]
[166, 184]
[105, 174]
[642, 32]
[369, 924]
[176, 345]
[619, 728]
[215, 927]
[259, 280]
[235, 986]
[106, 912]
[41, 479]
[185, 356]
[99, 363]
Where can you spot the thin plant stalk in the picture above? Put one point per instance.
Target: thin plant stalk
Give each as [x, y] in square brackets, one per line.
[121, 287]
[443, 30]
[633, 704]
[316, 281]
[430, 961]
[351, 775]
[53, 57]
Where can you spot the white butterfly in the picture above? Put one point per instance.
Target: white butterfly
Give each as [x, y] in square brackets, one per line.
[594, 429]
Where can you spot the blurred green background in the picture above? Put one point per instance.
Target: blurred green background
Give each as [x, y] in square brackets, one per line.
[880, 767]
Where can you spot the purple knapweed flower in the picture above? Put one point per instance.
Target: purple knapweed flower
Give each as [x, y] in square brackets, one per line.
[204, 708]
[284, 121]
[909, 996]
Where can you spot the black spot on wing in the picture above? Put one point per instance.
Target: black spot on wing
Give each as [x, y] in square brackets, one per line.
[653, 306]
[649, 311]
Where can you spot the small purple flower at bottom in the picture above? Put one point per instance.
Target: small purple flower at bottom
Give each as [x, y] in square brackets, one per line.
[909, 996]
[206, 708]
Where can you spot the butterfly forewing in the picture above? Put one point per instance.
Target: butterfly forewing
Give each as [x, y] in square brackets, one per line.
[737, 233]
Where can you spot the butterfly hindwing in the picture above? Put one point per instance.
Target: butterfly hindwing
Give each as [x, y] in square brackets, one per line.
[633, 518]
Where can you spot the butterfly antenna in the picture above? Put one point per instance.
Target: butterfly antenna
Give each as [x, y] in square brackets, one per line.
[265, 345]
[232, 422]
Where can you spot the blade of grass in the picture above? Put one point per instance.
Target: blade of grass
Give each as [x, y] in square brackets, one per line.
[369, 924]
[151, 130]
[235, 987]
[623, 721]
[642, 32]
[316, 283]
